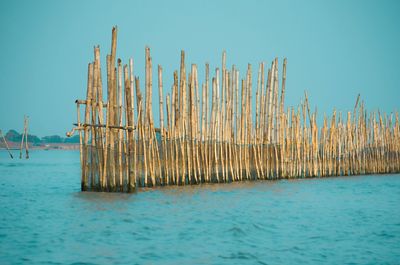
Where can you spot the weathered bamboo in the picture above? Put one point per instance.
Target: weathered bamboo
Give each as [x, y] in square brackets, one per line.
[235, 116]
[6, 144]
[207, 125]
[85, 166]
[129, 134]
[99, 103]
[26, 122]
[133, 181]
[183, 131]
[172, 134]
[120, 132]
[231, 142]
[22, 141]
[167, 145]
[163, 140]
[78, 118]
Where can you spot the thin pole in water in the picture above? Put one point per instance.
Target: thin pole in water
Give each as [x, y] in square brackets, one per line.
[6, 144]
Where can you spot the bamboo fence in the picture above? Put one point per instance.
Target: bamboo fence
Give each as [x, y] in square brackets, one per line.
[212, 133]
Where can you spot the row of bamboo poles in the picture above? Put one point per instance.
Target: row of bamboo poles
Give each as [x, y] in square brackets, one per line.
[213, 133]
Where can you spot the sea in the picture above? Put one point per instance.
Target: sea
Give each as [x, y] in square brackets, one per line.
[46, 219]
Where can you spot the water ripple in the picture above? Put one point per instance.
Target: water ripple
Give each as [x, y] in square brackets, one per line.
[44, 219]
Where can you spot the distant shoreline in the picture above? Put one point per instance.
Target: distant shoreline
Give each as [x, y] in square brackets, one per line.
[49, 146]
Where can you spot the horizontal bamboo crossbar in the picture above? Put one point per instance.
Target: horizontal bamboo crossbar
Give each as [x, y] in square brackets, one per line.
[81, 126]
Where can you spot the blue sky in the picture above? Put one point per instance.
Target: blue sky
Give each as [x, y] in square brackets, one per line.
[335, 49]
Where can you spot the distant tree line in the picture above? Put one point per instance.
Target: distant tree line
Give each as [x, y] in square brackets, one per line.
[14, 136]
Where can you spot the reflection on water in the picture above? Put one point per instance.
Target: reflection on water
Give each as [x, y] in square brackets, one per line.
[44, 218]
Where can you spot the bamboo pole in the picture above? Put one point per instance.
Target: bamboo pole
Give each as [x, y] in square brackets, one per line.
[167, 144]
[129, 135]
[249, 120]
[236, 117]
[78, 114]
[6, 144]
[133, 182]
[198, 136]
[242, 128]
[85, 167]
[22, 141]
[161, 109]
[94, 139]
[215, 127]
[192, 128]
[140, 124]
[207, 124]
[183, 132]
[99, 103]
[173, 135]
[26, 137]
[120, 135]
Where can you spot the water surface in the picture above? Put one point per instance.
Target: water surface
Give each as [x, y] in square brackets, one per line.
[45, 219]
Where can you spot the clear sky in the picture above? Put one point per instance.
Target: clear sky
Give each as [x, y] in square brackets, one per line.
[335, 49]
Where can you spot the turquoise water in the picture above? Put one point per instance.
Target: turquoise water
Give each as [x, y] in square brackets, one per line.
[45, 219]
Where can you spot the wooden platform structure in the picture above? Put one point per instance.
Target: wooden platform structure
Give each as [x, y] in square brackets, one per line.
[211, 131]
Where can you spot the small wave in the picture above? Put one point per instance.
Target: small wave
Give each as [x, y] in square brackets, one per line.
[240, 255]
[384, 234]
[258, 227]
[78, 263]
[236, 231]
[126, 220]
